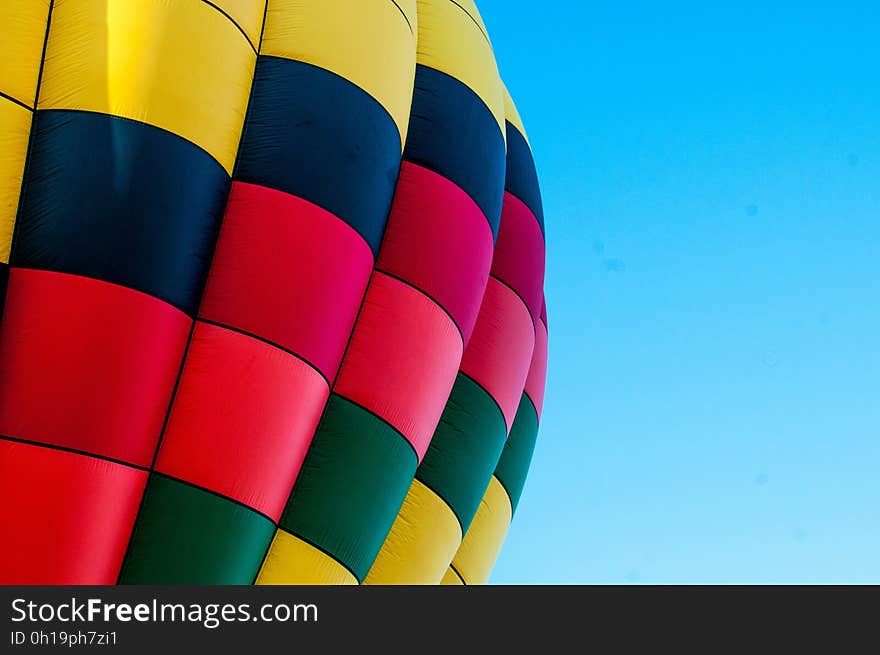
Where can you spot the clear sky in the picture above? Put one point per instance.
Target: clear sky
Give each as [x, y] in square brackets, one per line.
[711, 181]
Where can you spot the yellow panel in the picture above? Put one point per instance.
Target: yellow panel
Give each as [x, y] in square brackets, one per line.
[15, 125]
[451, 579]
[451, 42]
[292, 561]
[470, 7]
[421, 543]
[482, 543]
[175, 64]
[368, 42]
[408, 7]
[247, 14]
[22, 31]
[513, 116]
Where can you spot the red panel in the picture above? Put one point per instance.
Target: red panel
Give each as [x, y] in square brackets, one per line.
[500, 350]
[403, 359]
[438, 240]
[289, 272]
[243, 418]
[65, 518]
[519, 253]
[87, 364]
[537, 378]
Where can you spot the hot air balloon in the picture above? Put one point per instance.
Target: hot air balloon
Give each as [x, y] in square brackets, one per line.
[271, 277]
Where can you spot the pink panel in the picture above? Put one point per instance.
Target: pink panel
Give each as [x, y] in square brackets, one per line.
[537, 377]
[243, 418]
[500, 349]
[519, 253]
[402, 360]
[438, 240]
[289, 272]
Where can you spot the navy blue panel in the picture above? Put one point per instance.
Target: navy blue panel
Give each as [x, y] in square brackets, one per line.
[452, 132]
[317, 136]
[121, 201]
[522, 178]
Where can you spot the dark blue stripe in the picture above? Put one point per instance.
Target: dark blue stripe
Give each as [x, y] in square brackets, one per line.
[522, 177]
[317, 136]
[121, 201]
[452, 132]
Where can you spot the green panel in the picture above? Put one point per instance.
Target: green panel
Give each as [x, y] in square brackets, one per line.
[351, 486]
[517, 456]
[186, 535]
[465, 449]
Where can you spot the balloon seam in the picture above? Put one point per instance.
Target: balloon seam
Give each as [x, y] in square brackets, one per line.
[428, 296]
[405, 17]
[237, 26]
[73, 451]
[268, 342]
[479, 27]
[27, 157]
[16, 101]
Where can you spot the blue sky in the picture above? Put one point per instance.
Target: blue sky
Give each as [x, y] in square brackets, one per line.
[711, 180]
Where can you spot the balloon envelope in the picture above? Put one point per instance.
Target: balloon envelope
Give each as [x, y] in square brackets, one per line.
[271, 277]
